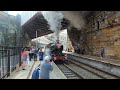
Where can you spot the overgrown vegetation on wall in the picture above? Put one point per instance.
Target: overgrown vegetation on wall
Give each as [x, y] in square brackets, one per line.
[9, 29]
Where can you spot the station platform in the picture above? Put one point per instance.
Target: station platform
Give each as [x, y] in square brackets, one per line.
[22, 74]
[27, 74]
[109, 65]
[56, 73]
[99, 59]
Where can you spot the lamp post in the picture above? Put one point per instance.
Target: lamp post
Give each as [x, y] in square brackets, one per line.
[36, 39]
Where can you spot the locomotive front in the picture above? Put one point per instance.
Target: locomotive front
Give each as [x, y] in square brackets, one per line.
[56, 52]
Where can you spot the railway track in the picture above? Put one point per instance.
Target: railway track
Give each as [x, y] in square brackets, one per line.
[99, 73]
[68, 72]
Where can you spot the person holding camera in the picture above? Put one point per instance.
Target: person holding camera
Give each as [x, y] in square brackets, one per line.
[46, 68]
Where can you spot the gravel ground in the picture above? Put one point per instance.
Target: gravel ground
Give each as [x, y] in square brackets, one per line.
[103, 74]
[84, 73]
[68, 73]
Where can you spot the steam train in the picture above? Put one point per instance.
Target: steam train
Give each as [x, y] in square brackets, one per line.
[56, 52]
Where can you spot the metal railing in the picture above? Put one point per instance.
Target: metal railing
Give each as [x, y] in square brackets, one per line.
[9, 58]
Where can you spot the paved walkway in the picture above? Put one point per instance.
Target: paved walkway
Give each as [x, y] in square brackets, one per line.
[21, 74]
[56, 73]
[35, 65]
[27, 74]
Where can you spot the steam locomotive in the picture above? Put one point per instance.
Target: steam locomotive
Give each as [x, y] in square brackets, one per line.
[56, 52]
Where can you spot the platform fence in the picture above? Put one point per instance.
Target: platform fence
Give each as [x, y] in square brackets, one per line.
[9, 58]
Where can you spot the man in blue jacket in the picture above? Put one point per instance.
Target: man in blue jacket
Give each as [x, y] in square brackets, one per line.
[45, 68]
[35, 51]
[41, 55]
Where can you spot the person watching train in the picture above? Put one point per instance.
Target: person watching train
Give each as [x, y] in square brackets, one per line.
[47, 51]
[41, 55]
[24, 57]
[45, 68]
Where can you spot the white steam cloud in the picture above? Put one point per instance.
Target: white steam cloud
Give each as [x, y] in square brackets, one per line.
[54, 19]
[76, 19]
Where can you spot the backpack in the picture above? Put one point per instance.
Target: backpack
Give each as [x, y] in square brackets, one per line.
[36, 73]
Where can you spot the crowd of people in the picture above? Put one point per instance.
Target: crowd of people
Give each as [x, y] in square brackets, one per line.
[32, 53]
[28, 54]
[82, 51]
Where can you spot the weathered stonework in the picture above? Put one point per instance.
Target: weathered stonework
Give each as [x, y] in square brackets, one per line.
[107, 36]
[69, 45]
[102, 30]
[74, 37]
